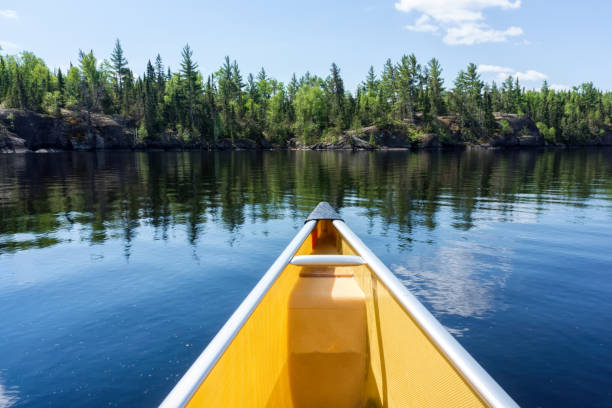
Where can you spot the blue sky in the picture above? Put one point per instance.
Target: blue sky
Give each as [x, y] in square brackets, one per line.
[563, 41]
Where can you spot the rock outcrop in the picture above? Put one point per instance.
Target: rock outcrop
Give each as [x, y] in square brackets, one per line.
[524, 133]
[24, 131]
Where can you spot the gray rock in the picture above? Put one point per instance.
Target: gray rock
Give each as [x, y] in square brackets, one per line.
[223, 144]
[12, 144]
[245, 144]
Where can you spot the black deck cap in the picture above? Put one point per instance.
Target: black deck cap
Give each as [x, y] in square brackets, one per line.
[324, 211]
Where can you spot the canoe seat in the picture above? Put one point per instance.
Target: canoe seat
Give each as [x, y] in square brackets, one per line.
[327, 341]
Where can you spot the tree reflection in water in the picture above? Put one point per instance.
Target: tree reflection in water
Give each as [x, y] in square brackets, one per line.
[112, 194]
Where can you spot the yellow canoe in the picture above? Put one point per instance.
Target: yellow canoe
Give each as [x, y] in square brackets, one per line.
[329, 325]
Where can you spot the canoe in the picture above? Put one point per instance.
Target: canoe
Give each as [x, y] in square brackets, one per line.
[329, 325]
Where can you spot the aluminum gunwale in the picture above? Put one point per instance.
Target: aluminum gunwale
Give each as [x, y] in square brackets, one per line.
[189, 383]
[481, 381]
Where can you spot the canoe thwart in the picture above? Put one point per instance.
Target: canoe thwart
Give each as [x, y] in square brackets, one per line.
[327, 260]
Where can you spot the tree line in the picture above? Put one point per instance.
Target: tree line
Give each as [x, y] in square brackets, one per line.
[226, 105]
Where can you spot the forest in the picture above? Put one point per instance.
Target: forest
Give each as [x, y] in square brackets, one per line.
[228, 105]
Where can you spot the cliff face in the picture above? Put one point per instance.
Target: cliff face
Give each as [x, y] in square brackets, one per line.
[24, 131]
[37, 132]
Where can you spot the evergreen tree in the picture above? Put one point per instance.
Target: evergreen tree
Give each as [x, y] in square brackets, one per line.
[408, 77]
[496, 100]
[308, 107]
[489, 123]
[61, 87]
[119, 65]
[92, 83]
[159, 74]
[224, 77]
[190, 80]
[150, 96]
[435, 88]
[336, 89]
[4, 78]
[371, 84]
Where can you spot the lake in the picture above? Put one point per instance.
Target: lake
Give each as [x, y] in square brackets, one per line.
[117, 268]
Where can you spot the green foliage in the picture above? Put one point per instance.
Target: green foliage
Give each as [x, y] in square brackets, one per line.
[143, 134]
[11, 121]
[506, 129]
[415, 135]
[224, 105]
[549, 134]
[372, 141]
[524, 131]
[51, 103]
[311, 111]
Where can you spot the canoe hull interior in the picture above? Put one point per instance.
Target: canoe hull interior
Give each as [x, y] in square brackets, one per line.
[332, 336]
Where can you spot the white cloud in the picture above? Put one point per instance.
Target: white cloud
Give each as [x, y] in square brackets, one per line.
[423, 25]
[484, 68]
[463, 20]
[531, 75]
[504, 72]
[449, 11]
[9, 47]
[11, 14]
[560, 87]
[469, 33]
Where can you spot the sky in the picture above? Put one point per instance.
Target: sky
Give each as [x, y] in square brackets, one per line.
[563, 41]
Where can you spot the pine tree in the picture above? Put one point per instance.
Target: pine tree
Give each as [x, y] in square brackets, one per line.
[210, 110]
[159, 73]
[4, 78]
[336, 89]
[150, 96]
[16, 94]
[387, 96]
[189, 76]
[61, 87]
[371, 84]
[507, 93]
[489, 124]
[406, 80]
[92, 83]
[119, 64]
[225, 92]
[292, 89]
[496, 101]
[435, 87]
[264, 92]
[237, 86]
[517, 97]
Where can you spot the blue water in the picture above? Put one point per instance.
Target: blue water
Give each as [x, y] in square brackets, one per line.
[116, 269]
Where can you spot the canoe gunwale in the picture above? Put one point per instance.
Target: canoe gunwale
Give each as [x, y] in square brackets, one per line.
[199, 370]
[488, 389]
[480, 381]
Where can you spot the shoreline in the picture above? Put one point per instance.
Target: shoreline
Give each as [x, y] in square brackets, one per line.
[331, 149]
[23, 131]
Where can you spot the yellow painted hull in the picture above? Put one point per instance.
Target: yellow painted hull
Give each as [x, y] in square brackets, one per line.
[332, 337]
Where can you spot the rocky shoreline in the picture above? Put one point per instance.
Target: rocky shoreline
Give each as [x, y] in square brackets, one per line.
[26, 131]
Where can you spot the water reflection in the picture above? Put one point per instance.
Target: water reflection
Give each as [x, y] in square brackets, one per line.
[462, 279]
[8, 398]
[112, 194]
